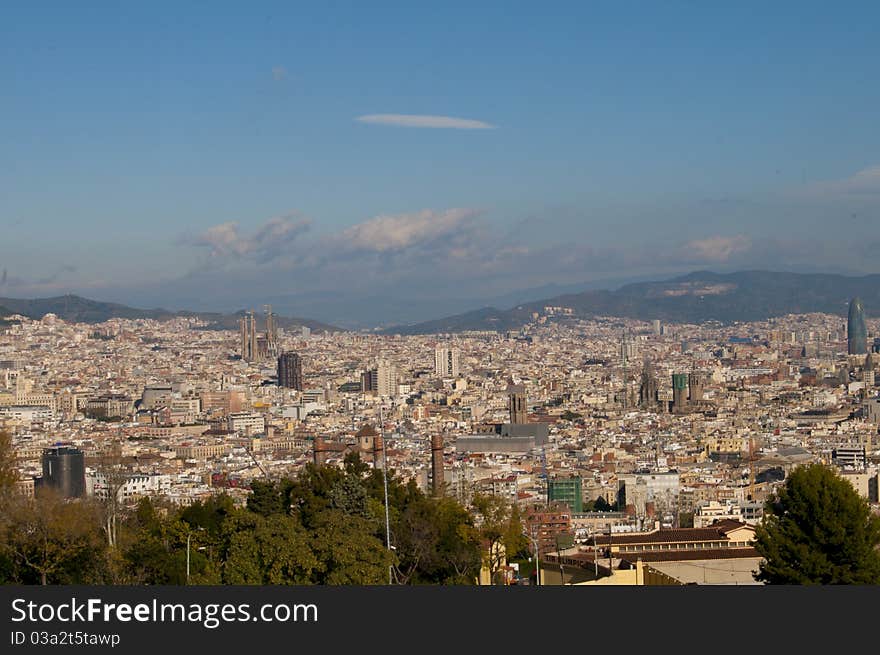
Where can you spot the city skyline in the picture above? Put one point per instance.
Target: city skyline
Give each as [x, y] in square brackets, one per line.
[607, 430]
[354, 152]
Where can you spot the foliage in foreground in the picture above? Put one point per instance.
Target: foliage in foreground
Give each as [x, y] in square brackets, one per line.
[818, 530]
[327, 526]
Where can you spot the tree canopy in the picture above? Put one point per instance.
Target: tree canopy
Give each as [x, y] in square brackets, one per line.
[818, 530]
[326, 526]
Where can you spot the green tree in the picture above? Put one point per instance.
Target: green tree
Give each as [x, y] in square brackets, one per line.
[501, 531]
[48, 540]
[209, 514]
[270, 550]
[154, 545]
[269, 497]
[817, 530]
[602, 505]
[458, 544]
[349, 495]
[348, 552]
[153, 542]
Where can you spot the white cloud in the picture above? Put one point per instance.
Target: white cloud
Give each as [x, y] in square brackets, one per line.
[865, 181]
[225, 241]
[401, 231]
[417, 120]
[717, 248]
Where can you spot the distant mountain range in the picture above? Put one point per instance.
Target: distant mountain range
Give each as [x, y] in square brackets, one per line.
[692, 298]
[82, 310]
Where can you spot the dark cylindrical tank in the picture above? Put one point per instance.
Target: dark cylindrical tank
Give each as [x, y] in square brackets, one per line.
[64, 469]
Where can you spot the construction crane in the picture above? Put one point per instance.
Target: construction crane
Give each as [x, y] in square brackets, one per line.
[259, 466]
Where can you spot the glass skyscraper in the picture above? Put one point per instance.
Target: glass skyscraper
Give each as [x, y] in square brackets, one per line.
[856, 332]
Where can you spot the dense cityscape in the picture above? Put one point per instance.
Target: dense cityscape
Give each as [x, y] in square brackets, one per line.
[636, 452]
[366, 324]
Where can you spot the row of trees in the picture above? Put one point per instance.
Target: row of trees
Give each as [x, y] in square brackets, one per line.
[327, 526]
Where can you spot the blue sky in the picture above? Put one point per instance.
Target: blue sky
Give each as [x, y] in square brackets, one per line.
[210, 154]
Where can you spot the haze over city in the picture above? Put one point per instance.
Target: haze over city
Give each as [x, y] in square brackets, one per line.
[370, 164]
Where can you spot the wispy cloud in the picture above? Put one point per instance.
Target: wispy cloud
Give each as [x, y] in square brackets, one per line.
[420, 120]
[718, 249]
[398, 232]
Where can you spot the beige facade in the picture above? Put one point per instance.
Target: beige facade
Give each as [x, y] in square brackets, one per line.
[202, 451]
[737, 571]
[707, 513]
[25, 487]
[865, 483]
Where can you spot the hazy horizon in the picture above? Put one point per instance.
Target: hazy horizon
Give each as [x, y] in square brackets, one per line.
[368, 313]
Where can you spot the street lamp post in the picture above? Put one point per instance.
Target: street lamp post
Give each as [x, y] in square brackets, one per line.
[188, 539]
[559, 558]
[536, 556]
[385, 482]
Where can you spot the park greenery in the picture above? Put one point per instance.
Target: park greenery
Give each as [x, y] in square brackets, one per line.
[326, 526]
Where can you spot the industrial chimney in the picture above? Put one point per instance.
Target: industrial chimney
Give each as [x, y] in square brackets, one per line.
[437, 464]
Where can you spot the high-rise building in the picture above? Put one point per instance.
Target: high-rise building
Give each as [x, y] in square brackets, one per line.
[290, 374]
[446, 361]
[516, 404]
[856, 331]
[628, 350]
[568, 491]
[370, 381]
[64, 470]
[387, 379]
